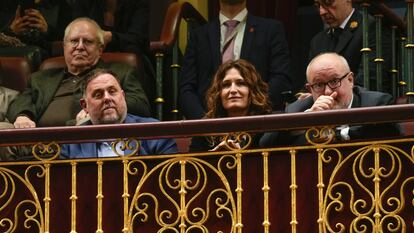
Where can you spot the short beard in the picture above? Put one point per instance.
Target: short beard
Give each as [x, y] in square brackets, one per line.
[113, 119]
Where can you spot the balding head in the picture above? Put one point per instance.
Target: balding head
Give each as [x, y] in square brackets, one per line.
[328, 73]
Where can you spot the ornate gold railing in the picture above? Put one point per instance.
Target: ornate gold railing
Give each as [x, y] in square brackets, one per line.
[363, 186]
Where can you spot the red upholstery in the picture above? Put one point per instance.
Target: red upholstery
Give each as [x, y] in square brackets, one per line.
[402, 100]
[183, 144]
[407, 128]
[59, 62]
[57, 49]
[15, 72]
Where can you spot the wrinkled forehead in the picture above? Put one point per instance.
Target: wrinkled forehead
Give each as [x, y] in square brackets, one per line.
[103, 81]
[325, 69]
[322, 75]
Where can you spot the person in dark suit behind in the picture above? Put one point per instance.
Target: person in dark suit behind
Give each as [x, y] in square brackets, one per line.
[331, 84]
[236, 90]
[52, 96]
[257, 40]
[343, 35]
[104, 101]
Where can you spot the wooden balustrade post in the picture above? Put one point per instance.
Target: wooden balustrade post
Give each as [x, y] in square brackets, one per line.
[365, 43]
[175, 67]
[410, 53]
[403, 73]
[394, 71]
[159, 101]
[379, 60]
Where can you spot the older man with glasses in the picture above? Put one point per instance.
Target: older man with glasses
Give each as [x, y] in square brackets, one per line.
[52, 97]
[331, 84]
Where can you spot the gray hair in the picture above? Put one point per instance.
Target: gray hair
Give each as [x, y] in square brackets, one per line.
[340, 57]
[100, 34]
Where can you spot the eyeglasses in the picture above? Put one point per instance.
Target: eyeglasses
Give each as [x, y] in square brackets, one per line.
[85, 42]
[323, 3]
[333, 84]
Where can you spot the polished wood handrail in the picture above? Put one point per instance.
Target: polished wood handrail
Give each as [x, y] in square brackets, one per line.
[173, 129]
[170, 29]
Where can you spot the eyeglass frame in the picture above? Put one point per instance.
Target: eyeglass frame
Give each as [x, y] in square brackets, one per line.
[85, 42]
[323, 3]
[338, 80]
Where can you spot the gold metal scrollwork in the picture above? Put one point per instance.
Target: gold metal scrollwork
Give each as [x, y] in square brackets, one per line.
[126, 147]
[361, 187]
[320, 136]
[412, 152]
[46, 152]
[28, 210]
[184, 200]
[242, 139]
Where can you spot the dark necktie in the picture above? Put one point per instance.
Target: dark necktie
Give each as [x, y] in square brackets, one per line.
[335, 35]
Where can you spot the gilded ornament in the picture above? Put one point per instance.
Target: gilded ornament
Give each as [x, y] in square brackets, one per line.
[353, 25]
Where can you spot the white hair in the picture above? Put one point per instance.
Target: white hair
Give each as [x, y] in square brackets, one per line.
[100, 34]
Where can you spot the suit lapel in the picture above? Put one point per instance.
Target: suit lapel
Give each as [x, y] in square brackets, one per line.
[348, 32]
[345, 37]
[248, 36]
[214, 35]
[356, 101]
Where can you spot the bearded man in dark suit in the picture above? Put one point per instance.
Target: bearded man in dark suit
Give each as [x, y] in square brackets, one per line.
[343, 35]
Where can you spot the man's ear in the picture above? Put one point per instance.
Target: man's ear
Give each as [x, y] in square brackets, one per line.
[101, 49]
[83, 104]
[351, 78]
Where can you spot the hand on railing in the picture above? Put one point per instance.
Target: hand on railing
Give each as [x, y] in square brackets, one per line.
[225, 145]
[24, 122]
[82, 117]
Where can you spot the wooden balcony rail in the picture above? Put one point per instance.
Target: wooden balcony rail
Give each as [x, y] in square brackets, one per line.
[175, 129]
[351, 186]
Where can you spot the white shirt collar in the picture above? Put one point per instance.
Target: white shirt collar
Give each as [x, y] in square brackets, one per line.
[347, 19]
[241, 16]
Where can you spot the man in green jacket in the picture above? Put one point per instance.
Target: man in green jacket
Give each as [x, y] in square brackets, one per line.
[52, 97]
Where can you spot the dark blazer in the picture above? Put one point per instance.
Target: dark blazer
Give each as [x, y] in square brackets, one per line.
[350, 45]
[42, 86]
[147, 147]
[264, 45]
[362, 98]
